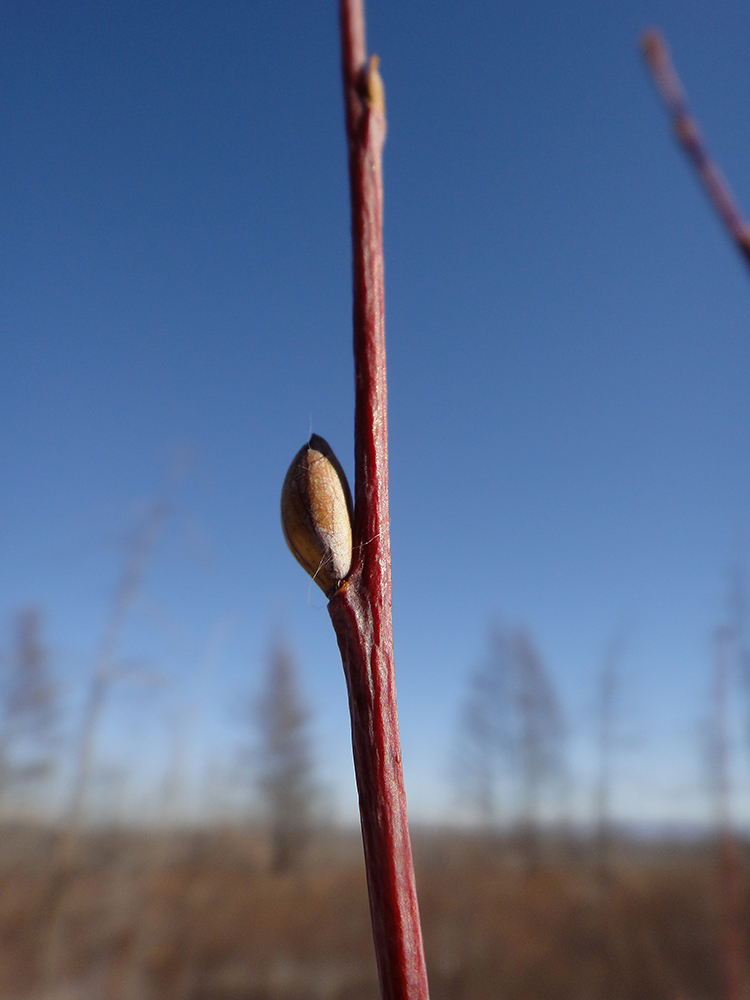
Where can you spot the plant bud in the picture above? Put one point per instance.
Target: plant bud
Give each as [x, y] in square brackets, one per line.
[316, 514]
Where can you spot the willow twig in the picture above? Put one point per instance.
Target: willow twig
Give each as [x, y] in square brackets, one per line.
[668, 83]
[361, 610]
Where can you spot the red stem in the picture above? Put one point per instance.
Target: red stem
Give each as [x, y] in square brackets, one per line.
[668, 84]
[361, 610]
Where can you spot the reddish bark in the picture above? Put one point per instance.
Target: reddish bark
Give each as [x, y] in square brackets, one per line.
[686, 128]
[361, 610]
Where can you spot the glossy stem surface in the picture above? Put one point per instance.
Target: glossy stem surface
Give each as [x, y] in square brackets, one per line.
[361, 610]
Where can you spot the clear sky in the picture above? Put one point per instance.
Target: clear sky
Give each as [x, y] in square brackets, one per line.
[568, 349]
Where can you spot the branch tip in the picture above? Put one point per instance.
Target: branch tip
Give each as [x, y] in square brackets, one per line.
[375, 87]
[653, 46]
[656, 54]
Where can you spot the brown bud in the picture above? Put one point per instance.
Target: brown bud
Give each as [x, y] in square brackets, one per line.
[316, 514]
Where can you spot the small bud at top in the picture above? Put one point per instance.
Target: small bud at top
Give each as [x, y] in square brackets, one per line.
[316, 514]
[375, 86]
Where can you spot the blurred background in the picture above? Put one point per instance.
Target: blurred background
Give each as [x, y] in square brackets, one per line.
[569, 431]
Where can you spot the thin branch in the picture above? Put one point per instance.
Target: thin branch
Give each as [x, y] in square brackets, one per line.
[104, 676]
[668, 83]
[361, 610]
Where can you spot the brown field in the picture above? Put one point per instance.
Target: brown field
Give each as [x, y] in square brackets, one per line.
[198, 916]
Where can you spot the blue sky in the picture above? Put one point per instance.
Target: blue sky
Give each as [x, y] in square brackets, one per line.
[567, 344]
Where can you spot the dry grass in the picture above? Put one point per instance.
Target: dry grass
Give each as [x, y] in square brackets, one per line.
[199, 917]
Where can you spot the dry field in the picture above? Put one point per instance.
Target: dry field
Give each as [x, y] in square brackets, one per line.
[199, 917]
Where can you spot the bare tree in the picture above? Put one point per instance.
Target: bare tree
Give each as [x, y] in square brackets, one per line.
[607, 691]
[737, 612]
[284, 761]
[730, 945]
[539, 738]
[107, 671]
[511, 737]
[29, 712]
[485, 748]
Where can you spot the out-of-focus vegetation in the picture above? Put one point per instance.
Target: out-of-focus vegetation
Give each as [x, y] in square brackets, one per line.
[275, 907]
[202, 915]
